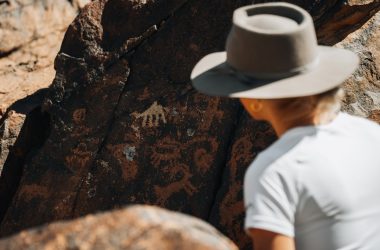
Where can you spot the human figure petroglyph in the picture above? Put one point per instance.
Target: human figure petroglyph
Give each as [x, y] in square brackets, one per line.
[212, 112]
[152, 116]
[204, 153]
[80, 157]
[202, 159]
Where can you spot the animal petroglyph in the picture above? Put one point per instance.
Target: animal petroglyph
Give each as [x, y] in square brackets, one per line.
[152, 116]
[232, 203]
[233, 208]
[164, 192]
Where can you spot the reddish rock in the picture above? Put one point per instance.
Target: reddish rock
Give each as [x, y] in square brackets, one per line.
[9, 131]
[31, 33]
[127, 127]
[363, 88]
[135, 227]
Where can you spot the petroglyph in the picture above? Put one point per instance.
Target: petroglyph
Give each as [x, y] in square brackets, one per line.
[129, 170]
[232, 201]
[204, 152]
[164, 192]
[212, 111]
[137, 131]
[202, 159]
[144, 95]
[116, 151]
[235, 206]
[152, 116]
[81, 156]
[79, 115]
[241, 151]
[124, 155]
[166, 150]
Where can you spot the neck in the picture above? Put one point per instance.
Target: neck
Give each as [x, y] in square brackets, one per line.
[281, 127]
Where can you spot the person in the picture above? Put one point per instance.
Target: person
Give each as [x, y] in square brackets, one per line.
[317, 186]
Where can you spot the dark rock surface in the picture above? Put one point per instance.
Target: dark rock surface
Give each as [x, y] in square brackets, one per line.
[31, 33]
[127, 127]
[135, 227]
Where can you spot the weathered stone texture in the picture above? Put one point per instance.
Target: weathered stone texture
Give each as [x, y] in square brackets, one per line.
[9, 131]
[363, 88]
[135, 227]
[31, 33]
[24, 21]
[127, 127]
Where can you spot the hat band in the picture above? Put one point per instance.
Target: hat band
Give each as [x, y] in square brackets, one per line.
[251, 78]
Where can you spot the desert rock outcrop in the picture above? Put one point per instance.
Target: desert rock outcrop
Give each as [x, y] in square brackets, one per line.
[31, 32]
[125, 126]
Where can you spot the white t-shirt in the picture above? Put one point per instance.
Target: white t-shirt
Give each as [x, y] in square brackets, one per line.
[319, 184]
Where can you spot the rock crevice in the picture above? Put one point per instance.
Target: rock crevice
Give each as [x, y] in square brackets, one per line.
[126, 127]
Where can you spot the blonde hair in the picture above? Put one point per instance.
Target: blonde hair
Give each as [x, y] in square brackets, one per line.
[301, 110]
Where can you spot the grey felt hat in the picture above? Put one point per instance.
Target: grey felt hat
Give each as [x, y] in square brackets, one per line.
[272, 52]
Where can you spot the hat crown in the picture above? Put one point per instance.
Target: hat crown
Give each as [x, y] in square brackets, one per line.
[271, 40]
[272, 23]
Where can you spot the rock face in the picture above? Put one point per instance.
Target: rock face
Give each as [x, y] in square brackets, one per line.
[363, 88]
[30, 36]
[125, 126]
[135, 227]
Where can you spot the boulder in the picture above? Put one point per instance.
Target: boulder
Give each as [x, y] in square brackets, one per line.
[134, 227]
[125, 126]
[363, 88]
[30, 36]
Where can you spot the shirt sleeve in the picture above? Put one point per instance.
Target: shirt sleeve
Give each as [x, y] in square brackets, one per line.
[270, 199]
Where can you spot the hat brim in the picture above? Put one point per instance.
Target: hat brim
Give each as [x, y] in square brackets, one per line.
[212, 76]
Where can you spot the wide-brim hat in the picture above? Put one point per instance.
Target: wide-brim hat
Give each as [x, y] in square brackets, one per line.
[272, 52]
